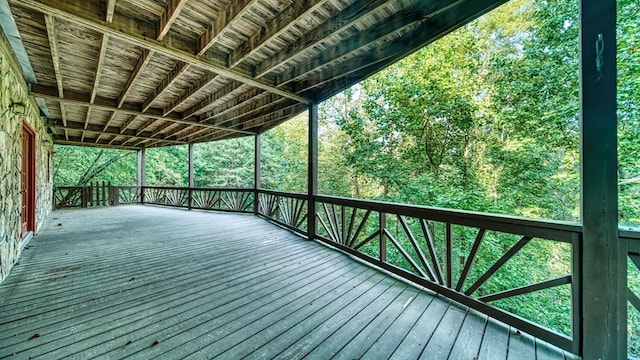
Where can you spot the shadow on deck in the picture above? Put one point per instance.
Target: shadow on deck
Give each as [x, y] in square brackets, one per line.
[144, 282]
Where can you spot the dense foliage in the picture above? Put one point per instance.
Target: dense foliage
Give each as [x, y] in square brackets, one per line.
[485, 119]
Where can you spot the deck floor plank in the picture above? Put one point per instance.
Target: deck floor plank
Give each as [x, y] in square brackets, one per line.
[441, 343]
[142, 282]
[467, 345]
[386, 344]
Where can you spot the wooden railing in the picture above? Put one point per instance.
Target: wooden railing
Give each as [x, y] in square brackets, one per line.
[286, 209]
[93, 195]
[465, 256]
[236, 200]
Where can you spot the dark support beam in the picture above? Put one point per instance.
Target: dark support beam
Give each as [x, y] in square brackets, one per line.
[312, 171]
[256, 173]
[142, 172]
[190, 176]
[603, 256]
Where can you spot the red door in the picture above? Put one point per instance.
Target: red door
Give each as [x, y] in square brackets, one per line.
[27, 180]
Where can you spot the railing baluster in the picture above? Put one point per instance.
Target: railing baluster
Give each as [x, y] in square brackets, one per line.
[406, 255]
[527, 289]
[419, 252]
[449, 260]
[337, 224]
[469, 263]
[383, 240]
[363, 223]
[426, 231]
[633, 299]
[506, 257]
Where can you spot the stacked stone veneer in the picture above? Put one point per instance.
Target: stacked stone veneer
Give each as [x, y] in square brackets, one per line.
[13, 90]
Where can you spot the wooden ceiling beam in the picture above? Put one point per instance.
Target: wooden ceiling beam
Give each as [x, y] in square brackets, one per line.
[193, 89]
[212, 98]
[342, 21]
[251, 108]
[49, 93]
[277, 115]
[63, 115]
[175, 73]
[97, 129]
[144, 126]
[96, 79]
[162, 128]
[76, 142]
[50, 23]
[199, 131]
[143, 61]
[275, 27]
[111, 9]
[231, 104]
[403, 21]
[234, 10]
[127, 123]
[432, 28]
[169, 15]
[128, 35]
[259, 110]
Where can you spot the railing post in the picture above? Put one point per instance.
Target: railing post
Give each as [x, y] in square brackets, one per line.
[83, 196]
[190, 192]
[383, 237]
[142, 172]
[576, 293]
[603, 257]
[312, 176]
[256, 174]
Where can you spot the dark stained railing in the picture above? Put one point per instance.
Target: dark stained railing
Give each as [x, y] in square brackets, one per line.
[235, 200]
[439, 249]
[459, 254]
[92, 195]
[286, 209]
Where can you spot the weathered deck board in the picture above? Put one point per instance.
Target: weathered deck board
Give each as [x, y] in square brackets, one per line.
[142, 282]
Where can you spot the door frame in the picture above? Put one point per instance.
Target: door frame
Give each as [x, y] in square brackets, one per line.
[28, 160]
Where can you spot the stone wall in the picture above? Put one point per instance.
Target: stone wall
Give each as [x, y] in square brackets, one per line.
[16, 108]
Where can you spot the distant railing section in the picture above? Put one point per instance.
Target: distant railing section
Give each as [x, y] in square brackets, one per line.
[460, 254]
[286, 209]
[236, 200]
[92, 195]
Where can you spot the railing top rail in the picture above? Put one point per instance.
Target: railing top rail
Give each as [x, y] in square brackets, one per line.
[162, 187]
[284, 193]
[547, 229]
[633, 236]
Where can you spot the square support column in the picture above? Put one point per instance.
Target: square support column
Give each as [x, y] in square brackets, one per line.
[603, 256]
[312, 176]
[190, 177]
[142, 172]
[256, 174]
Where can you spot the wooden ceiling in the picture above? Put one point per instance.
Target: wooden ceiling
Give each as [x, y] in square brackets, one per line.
[145, 73]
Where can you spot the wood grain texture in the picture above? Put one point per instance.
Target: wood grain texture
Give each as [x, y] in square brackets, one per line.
[111, 282]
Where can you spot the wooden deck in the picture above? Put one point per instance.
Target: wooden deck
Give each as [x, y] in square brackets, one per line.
[143, 282]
